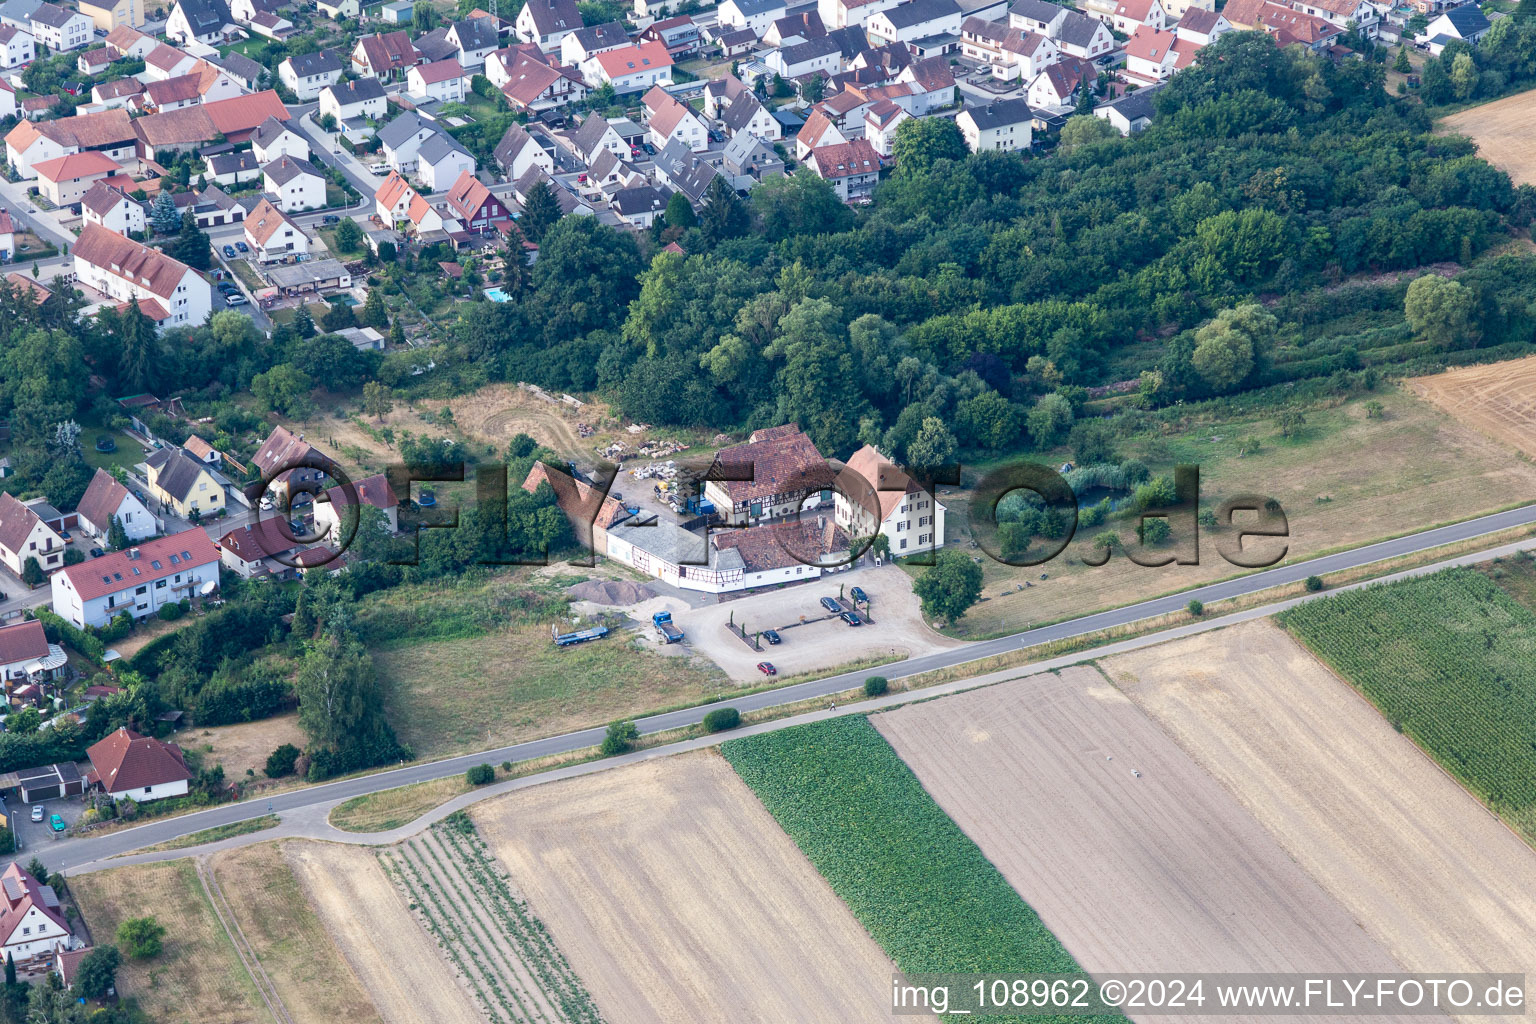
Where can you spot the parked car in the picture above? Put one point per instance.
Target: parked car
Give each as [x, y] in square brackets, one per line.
[229, 252]
[772, 636]
[56, 823]
[227, 288]
[330, 218]
[234, 300]
[64, 534]
[851, 619]
[242, 247]
[37, 812]
[97, 552]
[831, 605]
[766, 668]
[378, 168]
[858, 594]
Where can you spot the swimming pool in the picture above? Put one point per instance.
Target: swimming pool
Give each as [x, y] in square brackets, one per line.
[497, 295]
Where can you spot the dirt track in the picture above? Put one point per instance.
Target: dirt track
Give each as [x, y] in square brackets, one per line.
[1420, 864]
[1498, 399]
[1161, 872]
[677, 898]
[397, 962]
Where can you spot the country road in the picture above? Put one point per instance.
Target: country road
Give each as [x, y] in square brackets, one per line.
[304, 811]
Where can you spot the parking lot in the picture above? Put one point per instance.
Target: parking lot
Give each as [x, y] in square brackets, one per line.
[33, 835]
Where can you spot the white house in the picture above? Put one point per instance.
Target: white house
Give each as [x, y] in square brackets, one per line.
[1058, 87]
[881, 120]
[274, 138]
[853, 167]
[17, 46]
[399, 205]
[198, 21]
[360, 97]
[32, 923]
[891, 503]
[335, 10]
[138, 580]
[166, 61]
[21, 643]
[1126, 16]
[441, 160]
[109, 132]
[836, 14]
[1153, 54]
[308, 73]
[373, 490]
[629, 69]
[443, 80]
[402, 137]
[1201, 27]
[139, 768]
[106, 499]
[7, 236]
[475, 39]
[756, 15]
[126, 270]
[914, 20]
[668, 119]
[800, 59]
[594, 136]
[296, 183]
[1364, 15]
[591, 39]
[272, 236]
[517, 153]
[547, 22]
[24, 535]
[746, 114]
[60, 30]
[1000, 125]
[1466, 23]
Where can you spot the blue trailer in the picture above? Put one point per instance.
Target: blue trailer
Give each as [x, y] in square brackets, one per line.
[580, 636]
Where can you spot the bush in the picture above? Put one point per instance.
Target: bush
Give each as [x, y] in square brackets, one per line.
[621, 737]
[721, 719]
[1195, 607]
[170, 612]
[506, 766]
[480, 775]
[1314, 583]
[874, 686]
[281, 761]
[97, 972]
[141, 937]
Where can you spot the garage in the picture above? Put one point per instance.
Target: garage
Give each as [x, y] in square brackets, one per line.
[49, 782]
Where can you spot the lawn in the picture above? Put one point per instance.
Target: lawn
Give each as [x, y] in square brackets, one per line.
[917, 883]
[380, 812]
[1450, 661]
[128, 450]
[247, 274]
[217, 833]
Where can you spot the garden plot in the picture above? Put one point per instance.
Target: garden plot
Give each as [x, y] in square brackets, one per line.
[503, 952]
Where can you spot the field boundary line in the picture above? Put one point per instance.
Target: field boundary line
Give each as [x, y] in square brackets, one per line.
[243, 949]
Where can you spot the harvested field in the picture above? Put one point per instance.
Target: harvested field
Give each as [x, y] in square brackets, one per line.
[197, 977]
[1503, 131]
[1423, 867]
[503, 951]
[678, 899]
[1498, 399]
[395, 959]
[277, 923]
[1161, 872]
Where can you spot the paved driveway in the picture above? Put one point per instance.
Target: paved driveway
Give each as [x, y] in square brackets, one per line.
[36, 835]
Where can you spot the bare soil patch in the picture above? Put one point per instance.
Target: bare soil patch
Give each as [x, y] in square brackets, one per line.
[1503, 131]
[246, 745]
[1497, 399]
[1423, 867]
[612, 592]
[498, 412]
[396, 961]
[678, 898]
[1132, 855]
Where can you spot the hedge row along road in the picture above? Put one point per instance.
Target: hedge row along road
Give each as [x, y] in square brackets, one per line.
[70, 853]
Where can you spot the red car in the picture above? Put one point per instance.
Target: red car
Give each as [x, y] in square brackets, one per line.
[766, 668]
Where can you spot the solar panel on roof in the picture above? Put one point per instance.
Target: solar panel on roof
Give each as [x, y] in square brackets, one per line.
[50, 898]
[12, 889]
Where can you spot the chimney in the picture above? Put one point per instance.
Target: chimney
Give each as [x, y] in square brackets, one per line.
[133, 554]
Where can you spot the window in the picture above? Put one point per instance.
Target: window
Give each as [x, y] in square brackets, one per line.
[903, 544]
[159, 584]
[147, 788]
[142, 590]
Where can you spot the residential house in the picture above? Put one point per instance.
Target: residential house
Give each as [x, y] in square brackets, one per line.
[1013, 53]
[881, 119]
[21, 644]
[1002, 125]
[1465, 23]
[386, 56]
[591, 512]
[1085, 37]
[639, 206]
[60, 30]
[358, 97]
[476, 207]
[895, 505]
[109, 14]
[7, 252]
[498, 65]
[263, 18]
[335, 10]
[94, 61]
[852, 167]
[251, 75]
[1130, 113]
[18, 12]
[184, 483]
[1126, 16]
[914, 20]
[306, 74]
[931, 85]
[119, 93]
[296, 183]
[65, 180]
[189, 130]
[819, 130]
[110, 207]
[547, 22]
[747, 115]
[17, 46]
[125, 270]
[629, 69]
[166, 61]
[678, 168]
[253, 550]
[756, 15]
[128, 42]
[530, 84]
[142, 768]
[171, 94]
[199, 21]
[1037, 16]
[291, 464]
[24, 535]
[474, 39]
[1362, 14]
[1179, 8]
[1153, 54]
[747, 160]
[845, 13]
[401, 206]
[593, 137]
[216, 208]
[784, 471]
[32, 923]
[796, 27]
[104, 500]
[592, 39]
[569, 202]
[822, 55]
[442, 80]
[272, 236]
[680, 35]
[610, 175]
[402, 138]
[440, 161]
[232, 169]
[1201, 27]
[517, 152]
[331, 519]
[434, 46]
[274, 138]
[668, 118]
[720, 93]
[733, 42]
[1059, 87]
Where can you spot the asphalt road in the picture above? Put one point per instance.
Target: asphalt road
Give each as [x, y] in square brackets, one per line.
[69, 853]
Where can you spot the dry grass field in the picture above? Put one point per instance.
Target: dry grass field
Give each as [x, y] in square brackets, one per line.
[1159, 871]
[197, 977]
[677, 898]
[396, 961]
[238, 747]
[1498, 399]
[1423, 867]
[1503, 131]
[274, 917]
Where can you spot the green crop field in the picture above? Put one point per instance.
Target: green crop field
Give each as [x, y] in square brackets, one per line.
[1450, 660]
[919, 885]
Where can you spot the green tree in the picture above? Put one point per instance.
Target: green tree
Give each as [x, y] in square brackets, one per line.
[338, 317]
[480, 775]
[192, 245]
[281, 761]
[724, 215]
[798, 204]
[97, 972]
[1401, 64]
[1443, 312]
[949, 587]
[163, 216]
[23, 722]
[1195, 607]
[303, 322]
[349, 236]
[1289, 421]
[423, 18]
[680, 212]
[31, 573]
[1049, 420]
[621, 737]
[284, 389]
[1464, 76]
[341, 706]
[920, 141]
[933, 446]
[375, 313]
[1082, 130]
[1229, 346]
[540, 212]
[377, 400]
[141, 938]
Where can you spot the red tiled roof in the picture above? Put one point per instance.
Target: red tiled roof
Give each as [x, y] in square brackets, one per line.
[578, 500]
[16, 523]
[22, 642]
[260, 540]
[102, 498]
[126, 761]
[22, 893]
[371, 490]
[627, 60]
[120, 570]
[76, 165]
[845, 159]
[784, 463]
[776, 546]
[442, 71]
[145, 267]
[467, 194]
